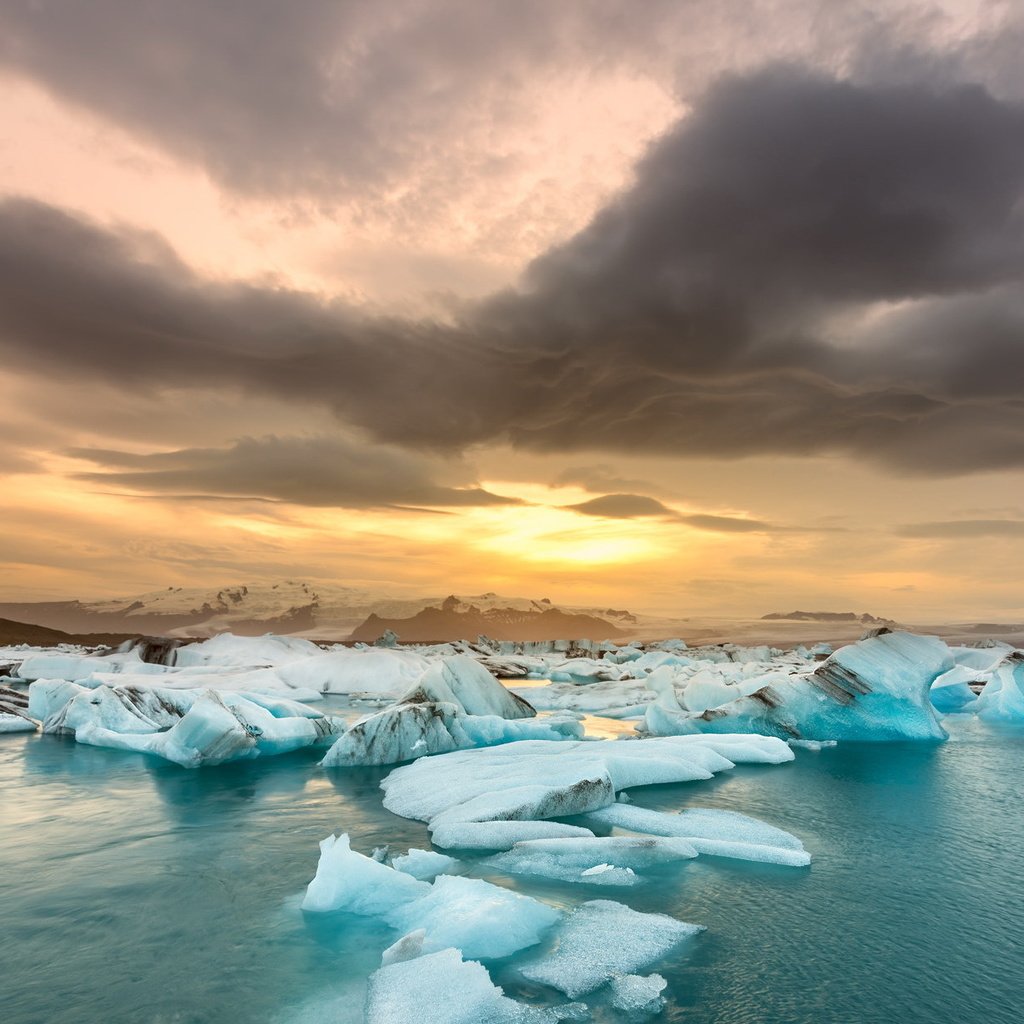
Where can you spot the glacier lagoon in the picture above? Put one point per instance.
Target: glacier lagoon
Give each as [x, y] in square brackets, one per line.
[136, 891]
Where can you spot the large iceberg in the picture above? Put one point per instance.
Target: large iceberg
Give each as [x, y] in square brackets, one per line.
[1002, 699]
[188, 727]
[464, 682]
[457, 704]
[876, 689]
[405, 731]
[533, 779]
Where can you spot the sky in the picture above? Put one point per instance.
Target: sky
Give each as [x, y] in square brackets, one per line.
[686, 307]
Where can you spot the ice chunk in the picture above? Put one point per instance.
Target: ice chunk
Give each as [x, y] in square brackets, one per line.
[606, 861]
[226, 649]
[952, 692]
[602, 939]
[464, 682]
[710, 831]
[189, 727]
[876, 689]
[347, 880]
[424, 864]
[534, 779]
[500, 835]
[209, 733]
[11, 722]
[633, 993]
[474, 916]
[74, 667]
[442, 988]
[408, 730]
[1002, 699]
[408, 947]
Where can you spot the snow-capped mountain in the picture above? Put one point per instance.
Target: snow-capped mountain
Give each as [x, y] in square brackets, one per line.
[295, 607]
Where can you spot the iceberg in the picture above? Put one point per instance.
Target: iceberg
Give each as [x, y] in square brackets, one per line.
[951, 692]
[876, 689]
[1002, 699]
[347, 880]
[442, 988]
[532, 780]
[606, 861]
[464, 682]
[709, 831]
[409, 730]
[188, 727]
[476, 917]
[480, 919]
[600, 940]
[424, 864]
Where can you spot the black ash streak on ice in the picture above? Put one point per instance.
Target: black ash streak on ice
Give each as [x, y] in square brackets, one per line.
[802, 266]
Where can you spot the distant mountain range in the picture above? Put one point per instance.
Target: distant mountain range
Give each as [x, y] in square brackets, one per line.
[335, 613]
[454, 620]
[865, 618]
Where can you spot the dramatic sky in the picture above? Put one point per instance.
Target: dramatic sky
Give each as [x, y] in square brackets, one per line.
[689, 306]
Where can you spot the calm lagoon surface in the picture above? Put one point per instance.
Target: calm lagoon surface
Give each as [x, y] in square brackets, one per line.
[137, 891]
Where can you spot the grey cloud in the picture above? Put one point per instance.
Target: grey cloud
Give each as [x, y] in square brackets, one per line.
[320, 97]
[634, 506]
[701, 313]
[306, 471]
[622, 506]
[966, 529]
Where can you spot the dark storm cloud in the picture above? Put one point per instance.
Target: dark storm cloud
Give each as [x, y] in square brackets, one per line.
[322, 98]
[327, 472]
[966, 529]
[802, 266]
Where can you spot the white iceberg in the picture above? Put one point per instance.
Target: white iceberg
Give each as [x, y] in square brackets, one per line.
[610, 860]
[408, 730]
[602, 939]
[876, 689]
[424, 864]
[709, 831]
[188, 727]
[533, 780]
[464, 682]
[351, 881]
[480, 919]
[442, 988]
[476, 917]
[1002, 699]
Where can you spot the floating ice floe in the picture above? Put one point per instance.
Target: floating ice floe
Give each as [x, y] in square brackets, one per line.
[663, 839]
[533, 780]
[456, 704]
[442, 988]
[478, 918]
[188, 727]
[601, 940]
[877, 689]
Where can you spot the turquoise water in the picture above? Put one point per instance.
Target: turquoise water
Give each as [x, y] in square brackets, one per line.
[135, 891]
